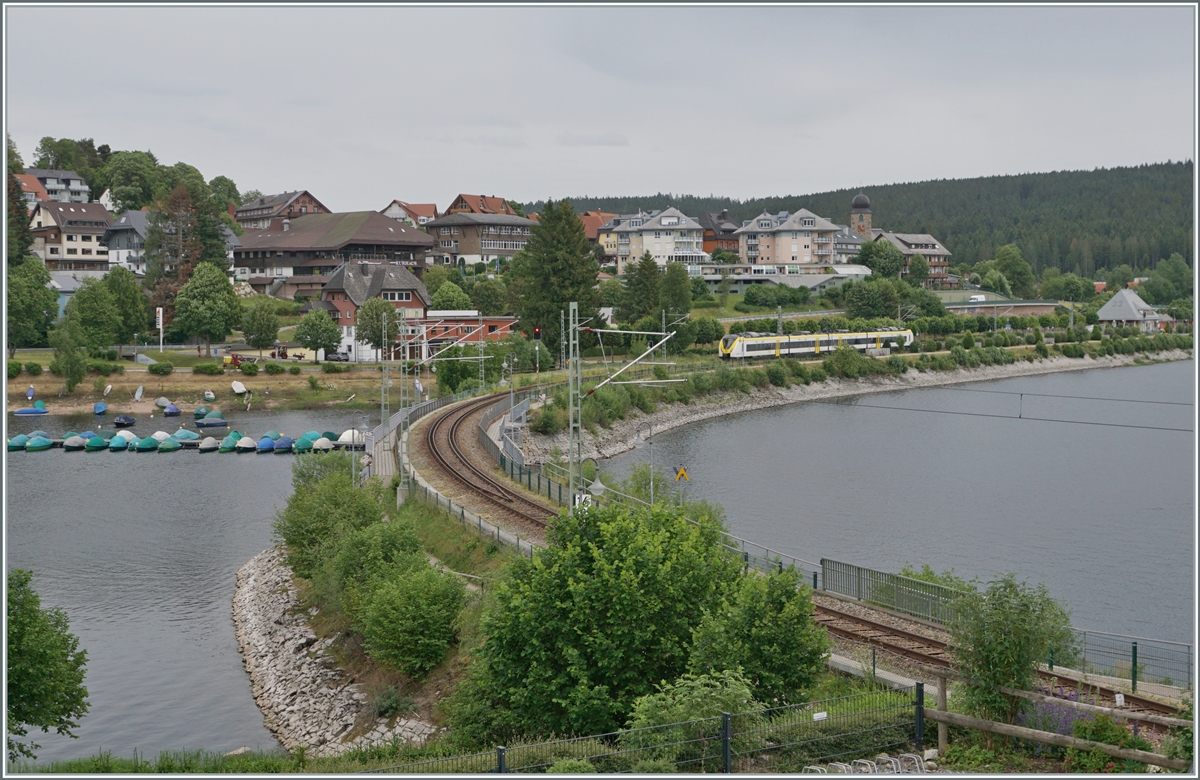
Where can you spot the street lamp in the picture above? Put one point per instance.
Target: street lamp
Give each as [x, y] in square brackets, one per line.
[638, 443]
[509, 365]
[596, 488]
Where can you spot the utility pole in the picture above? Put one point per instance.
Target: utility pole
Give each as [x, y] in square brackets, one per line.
[384, 379]
[778, 321]
[662, 355]
[575, 385]
[479, 335]
[562, 339]
[405, 400]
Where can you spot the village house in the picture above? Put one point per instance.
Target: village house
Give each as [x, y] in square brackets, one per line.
[298, 256]
[720, 232]
[352, 283]
[912, 244]
[465, 238]
[669, 236]
[126, 241]
[259, 213]
[61, 186]
[31, 189]
[1127, 308]
[480, 204]
[67, 235]
[787, 239]
[414, 214]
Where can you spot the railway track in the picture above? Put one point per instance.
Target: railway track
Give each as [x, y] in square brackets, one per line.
[446, 440]
[935, 653]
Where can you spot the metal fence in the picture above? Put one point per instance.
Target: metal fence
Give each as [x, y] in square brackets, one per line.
[469, 519]
[925, 600]
[1136, 659]
[781, 739]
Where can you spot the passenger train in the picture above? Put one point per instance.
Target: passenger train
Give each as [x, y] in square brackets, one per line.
[762, 345]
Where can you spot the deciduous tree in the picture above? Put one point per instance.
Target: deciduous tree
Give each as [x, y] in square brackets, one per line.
[488, 297]
[675, 294]
[94, 310]
[882, 257]
[377, 323]
[133, 314]
[182, 233]
[1016, 269]
[45, 668]
[435, 276]
[32, 305]
[260, 326]
[207, 306]
[449, 297]
[918, 269]
[318, 331]
[129, 178]
[69, 361]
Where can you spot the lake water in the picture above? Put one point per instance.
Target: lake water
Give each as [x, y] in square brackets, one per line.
[141, 551]
[1105, 516]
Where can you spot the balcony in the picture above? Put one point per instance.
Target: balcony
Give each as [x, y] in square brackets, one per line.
[822, 240]
[822, 251]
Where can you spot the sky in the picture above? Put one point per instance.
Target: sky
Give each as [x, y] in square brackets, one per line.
[364, 105]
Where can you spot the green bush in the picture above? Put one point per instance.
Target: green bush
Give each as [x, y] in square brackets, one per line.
[548, 420]
[33, 369]
[897, 364]
[1103, 728]
[249, 369]
[408, 623]
[333, 368]
[100, 367]
[777, 374]
[14, 369]
[322, 508]
[571, 766]
[161, 368]
[294, 370]
[654, 767]
[211, 369]
[111, 354]
[817, 374]
[273, 369]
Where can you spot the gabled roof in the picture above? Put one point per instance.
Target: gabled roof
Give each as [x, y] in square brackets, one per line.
[483, 204]
[915, 243]
[277, 204]
[334, 231]
[718, 222]
[414, 210]
[654, 221]
[75, 215]
[31, 186]
[464, 218]
[361, 281]
[784, 221]
[1127, 306]
[593, 221]
[52, 173]
[132, 220]
[624, 219]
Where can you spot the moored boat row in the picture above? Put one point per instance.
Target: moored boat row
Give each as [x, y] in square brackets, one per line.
[161, 441]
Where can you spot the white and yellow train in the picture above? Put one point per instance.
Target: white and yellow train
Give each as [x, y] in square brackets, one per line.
[763, 345]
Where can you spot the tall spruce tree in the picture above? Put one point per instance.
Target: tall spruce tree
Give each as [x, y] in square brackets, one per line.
[555, 267]
[642, 284]
[20, 237]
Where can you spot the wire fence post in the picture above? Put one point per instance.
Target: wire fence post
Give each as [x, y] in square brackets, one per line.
[501, 766]
[920, 713]
[1133, 667]
[726, 740]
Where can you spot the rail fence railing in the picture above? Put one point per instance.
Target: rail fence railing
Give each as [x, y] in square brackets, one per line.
[780, 739]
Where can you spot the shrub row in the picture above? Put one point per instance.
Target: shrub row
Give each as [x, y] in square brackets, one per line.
[212, 369]
[103, 368]
[161, 368]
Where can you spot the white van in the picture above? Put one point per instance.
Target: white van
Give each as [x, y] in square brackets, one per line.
[976, 298]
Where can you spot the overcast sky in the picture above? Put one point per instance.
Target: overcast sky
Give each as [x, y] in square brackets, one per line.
[363, 105]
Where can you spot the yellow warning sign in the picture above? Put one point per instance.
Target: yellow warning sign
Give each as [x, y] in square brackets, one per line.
[682, 473]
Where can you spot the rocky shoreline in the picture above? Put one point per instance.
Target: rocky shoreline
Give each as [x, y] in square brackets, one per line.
[620, 437]
[306, 700]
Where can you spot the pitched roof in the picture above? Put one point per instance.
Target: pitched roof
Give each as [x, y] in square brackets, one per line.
[656, 222]
[75, 214]
[786, 221]
[1127, 306]
[367, 280]
[277, 203]
[52, 173]
[718, 222]
[464, 218]
[916, 243]
[592, 222]
[334, 231]
[31, 185]
[483, 204]
[415, 210]
[136, 220]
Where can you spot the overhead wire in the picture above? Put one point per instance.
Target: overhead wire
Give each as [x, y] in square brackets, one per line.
[1009, 417]
[1079, 397]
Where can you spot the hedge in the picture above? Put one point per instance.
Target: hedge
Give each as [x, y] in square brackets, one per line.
[249, 369]
[33, 369]
[211, 369]
[293, 370]
[161, 368]
[104, 369]
[14, 369]
[273, 368]
[333, 368]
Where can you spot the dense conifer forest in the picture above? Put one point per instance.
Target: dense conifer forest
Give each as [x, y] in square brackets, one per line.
[1077, 221]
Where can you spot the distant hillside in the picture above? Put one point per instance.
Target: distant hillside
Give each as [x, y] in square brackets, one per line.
[1076, 220]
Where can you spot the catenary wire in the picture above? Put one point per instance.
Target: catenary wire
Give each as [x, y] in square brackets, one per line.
[1009, 417]
[1075, 397]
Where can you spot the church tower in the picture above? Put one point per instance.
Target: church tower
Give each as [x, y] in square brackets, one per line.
[860, 215]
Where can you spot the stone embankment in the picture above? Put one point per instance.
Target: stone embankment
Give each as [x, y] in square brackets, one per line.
[620, 437]
[306, 700]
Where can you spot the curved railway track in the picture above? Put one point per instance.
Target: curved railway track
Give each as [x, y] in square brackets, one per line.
[444, 438]
[933, 652]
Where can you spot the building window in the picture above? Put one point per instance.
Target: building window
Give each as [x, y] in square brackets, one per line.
[72, 251]
[397, 296]
[53, 250]
[70, 238]
[87, 251]
[87, 238]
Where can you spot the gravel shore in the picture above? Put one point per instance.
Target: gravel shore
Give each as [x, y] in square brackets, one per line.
[606, 443]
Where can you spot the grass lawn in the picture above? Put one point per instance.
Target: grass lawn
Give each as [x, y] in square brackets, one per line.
[736, 298]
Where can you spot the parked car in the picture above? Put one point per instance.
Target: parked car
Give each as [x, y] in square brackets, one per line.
[337, 357]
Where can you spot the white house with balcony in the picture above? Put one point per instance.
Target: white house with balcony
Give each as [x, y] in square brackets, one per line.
[62, 186]
[787, 239]
[670, 236]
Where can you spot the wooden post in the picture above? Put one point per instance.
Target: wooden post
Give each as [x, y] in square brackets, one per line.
[943, 729]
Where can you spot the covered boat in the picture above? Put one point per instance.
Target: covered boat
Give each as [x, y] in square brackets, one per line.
[284, 444]
[38, 433]
[95, 444]
[124, 421]
[107, 435]
[210, 396]
[245, 444]
[273, 435]
[238, 387]
[148, 444]
[329, 435]
[100, 408]
[37, 444]
[302, 445]
[200, 411]
[266, 444]
[162, 401]
[87, 434]
[183, 434]
[209, 444]
[118, 443]
[351, 436]
[73, 443]
[69, 434]
[169, 444]
[31, 410]
[311, 436]
[129, 436]
[215, 422]
[322, 444]
[160, 436]
[171, 410]
[215, 414]
[18, 442]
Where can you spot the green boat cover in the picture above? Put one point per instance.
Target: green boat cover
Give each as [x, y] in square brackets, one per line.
[148, 444]
[39, 404]
[18, 442]
[169, 444]
[302, 445]
[311, 436]
[95, 443]
[217, 415]
[330, 435]
[118, 443]
[200, 411]
[272, 435]
[69, 434]
[185, 435]
[37, 444]
[107, 435]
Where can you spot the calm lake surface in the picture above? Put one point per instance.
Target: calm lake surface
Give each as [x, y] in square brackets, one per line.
[1104, 516]
[141, 550]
